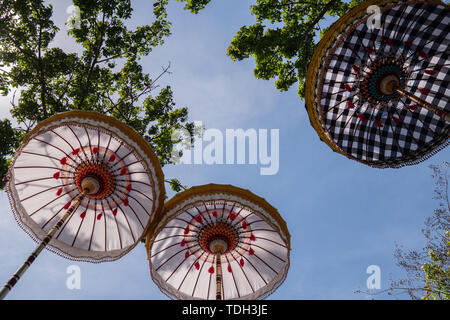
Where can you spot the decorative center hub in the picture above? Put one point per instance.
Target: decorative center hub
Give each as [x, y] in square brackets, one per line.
[380, 82]
[97, 173]
[219, 237]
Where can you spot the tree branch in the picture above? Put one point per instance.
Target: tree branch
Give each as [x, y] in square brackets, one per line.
[65, 88]
[146, 90]
[112, 57]
[320, 16]
[179, 184]
[41, 71]
[95, 59]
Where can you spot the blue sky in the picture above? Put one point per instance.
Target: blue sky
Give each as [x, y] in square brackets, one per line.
[343, 216]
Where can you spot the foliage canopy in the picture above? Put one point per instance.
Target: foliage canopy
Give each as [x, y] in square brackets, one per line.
[283, 38]
[106, 76]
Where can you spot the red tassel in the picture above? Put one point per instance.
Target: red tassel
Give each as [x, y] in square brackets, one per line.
[241, 262]
[199, 219]
[252, 237]
[361, 117]
[125, 202]
[412, 107]
[430, 72]
[129, 187]
[347, 87]
[186, 230]
[63, 161]
[232, 216]
[112, 158]
[389, 42]
[211, 270]
[123, 171]
[197, 265]
[378, 123]
[94, 150]
[67, 206]
[397, 120]
[251, 251]
[186, 255]
[409, 44]
[56, 175]
[114, 212]
[370, 50]
[356, 69]
[423, 55]
[182, 243]
[229, 269]
[83, 215]
[99, 216]
[214, 213]
[75, 152]
[440, 113]
[350, 104]
[424, 90]
[58, 193]
[244, 225]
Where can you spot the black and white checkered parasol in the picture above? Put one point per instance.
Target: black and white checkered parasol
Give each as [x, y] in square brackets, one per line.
[379, 94]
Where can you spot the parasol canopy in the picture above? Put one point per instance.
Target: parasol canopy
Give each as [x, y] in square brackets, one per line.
[380, 94]
[51, 168]
[219, 241]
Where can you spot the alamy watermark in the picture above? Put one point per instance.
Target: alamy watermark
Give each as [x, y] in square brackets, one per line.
[374, 20]
[234, 146]
[73, 281]
[374, 280]
[74, 21]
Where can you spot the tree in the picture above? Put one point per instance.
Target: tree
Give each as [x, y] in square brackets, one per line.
[428, 269]
[283, 38]
[437, 273]
[105, 76]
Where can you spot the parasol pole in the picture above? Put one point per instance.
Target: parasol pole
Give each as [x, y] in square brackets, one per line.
[218, 275]
[218, 247]
[438, 111]
[89, 187]
[391, 85]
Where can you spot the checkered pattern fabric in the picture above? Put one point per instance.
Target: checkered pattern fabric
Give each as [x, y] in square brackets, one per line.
[397, 132]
